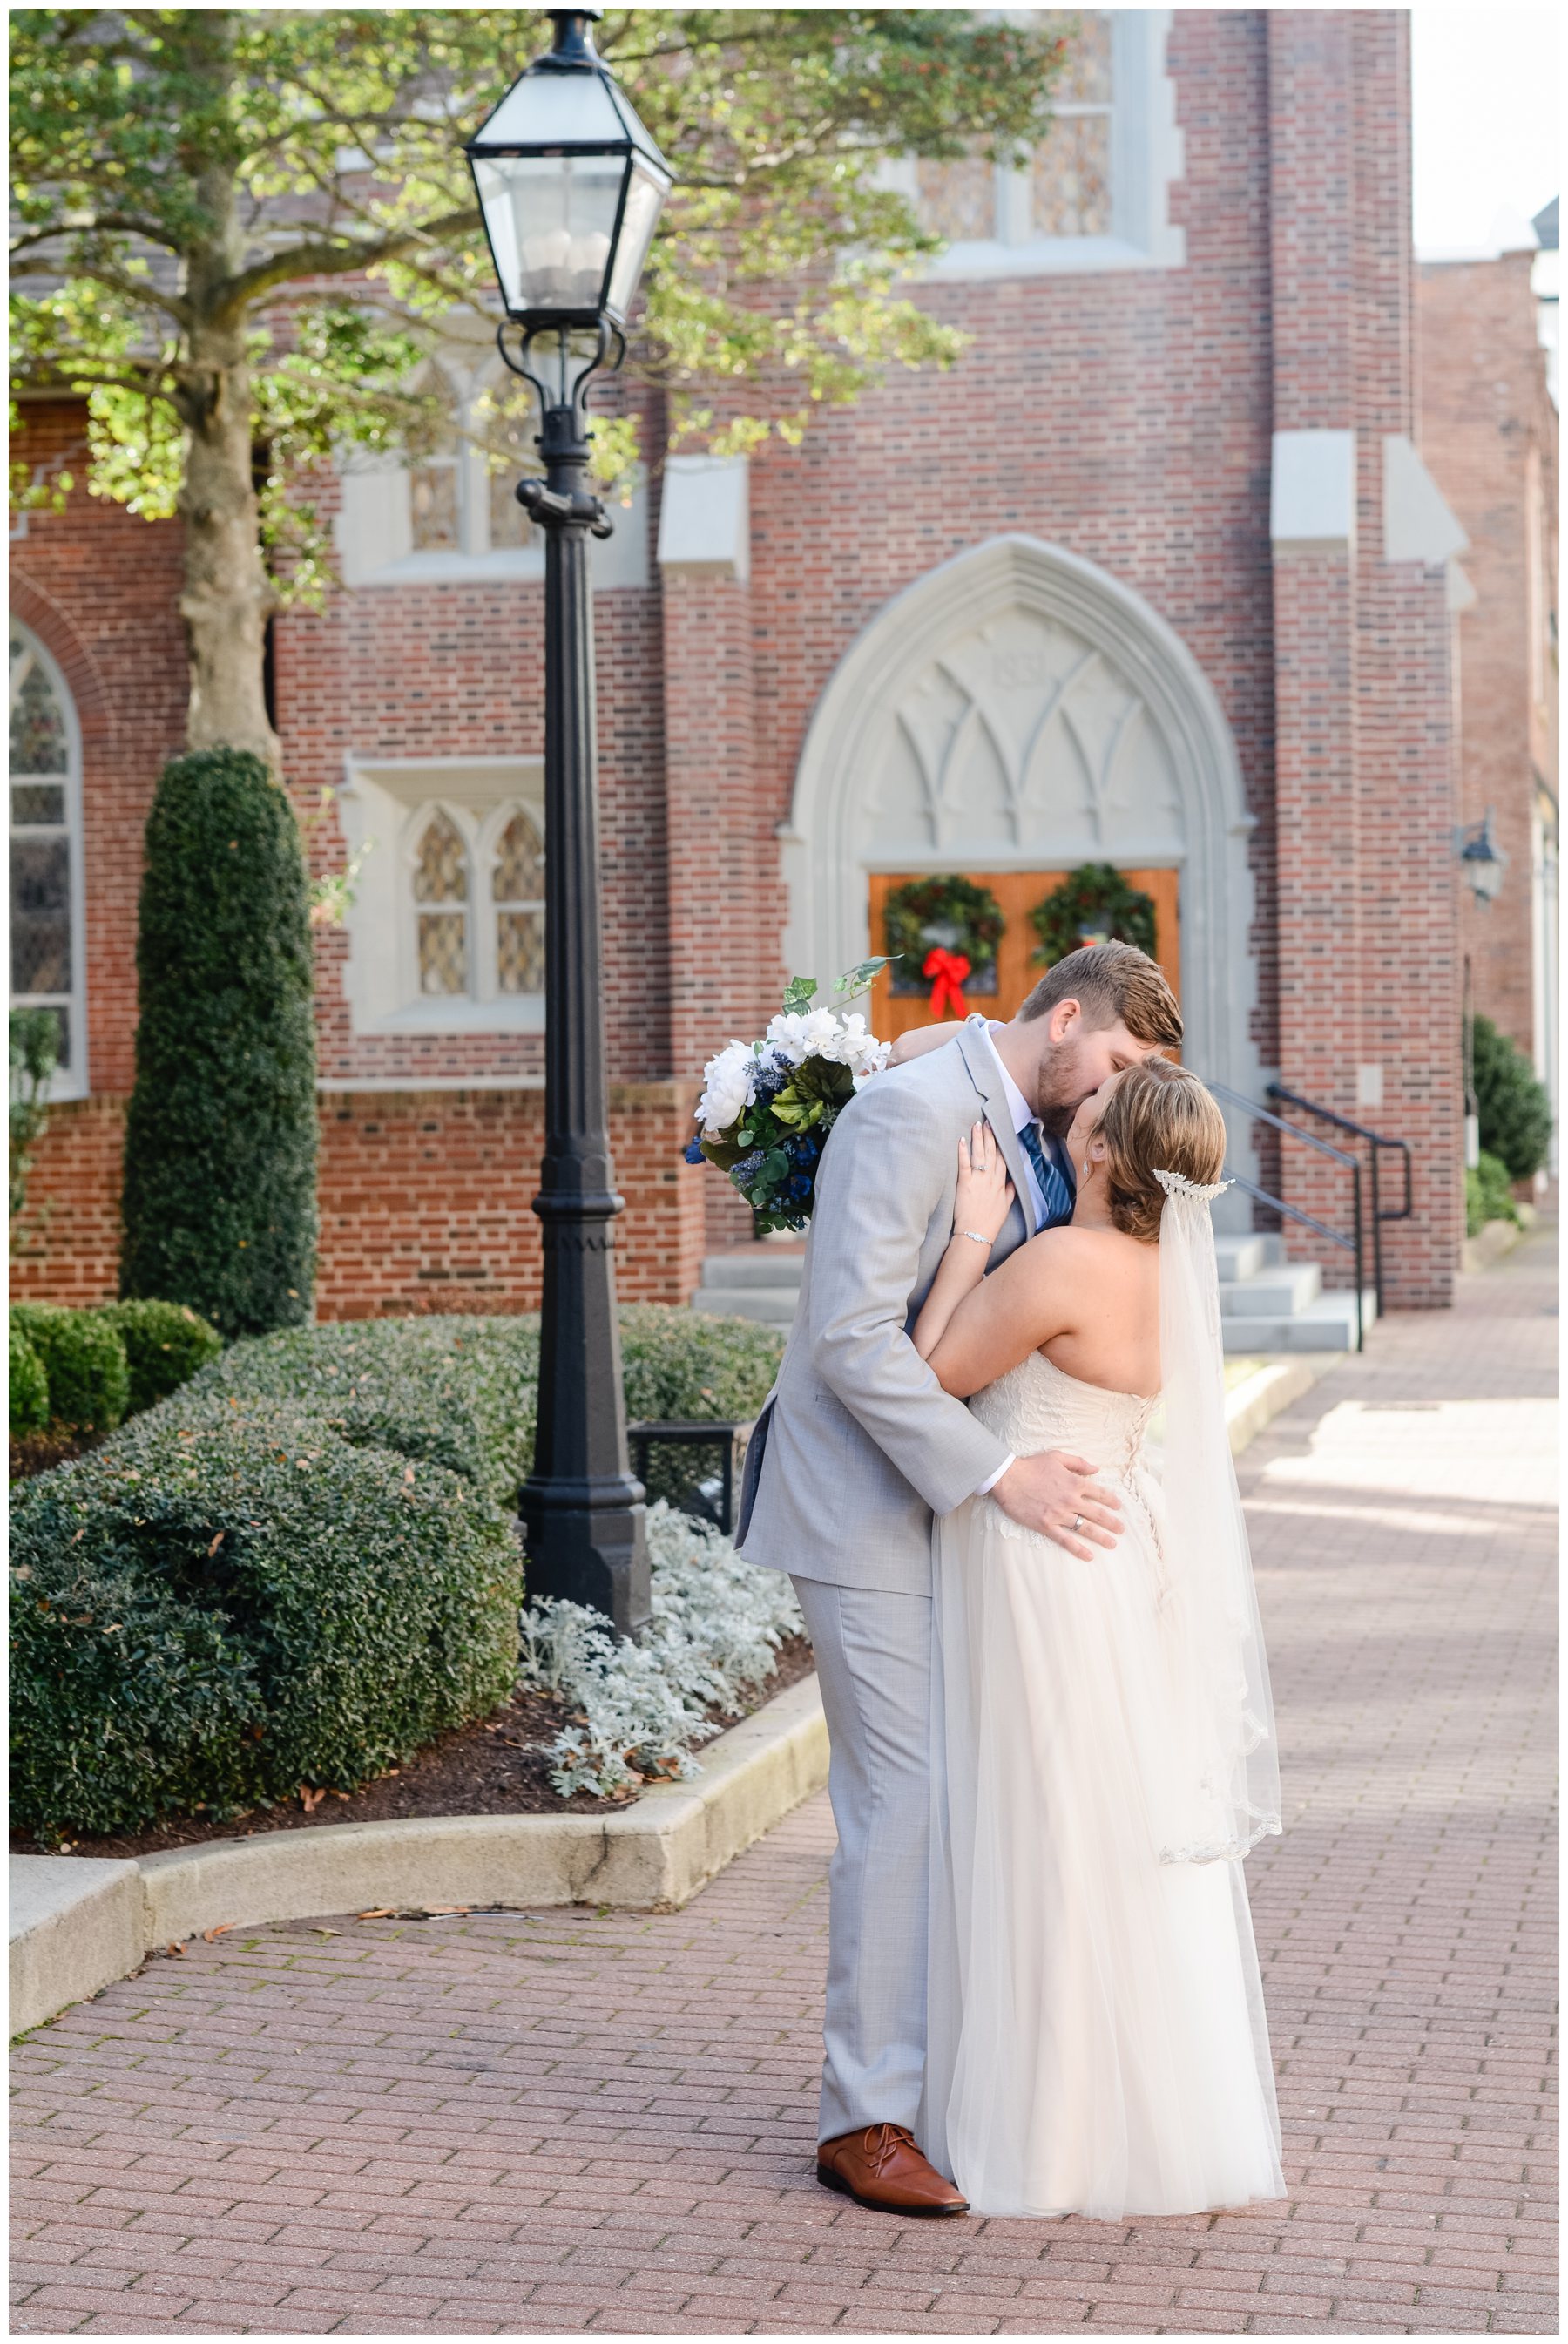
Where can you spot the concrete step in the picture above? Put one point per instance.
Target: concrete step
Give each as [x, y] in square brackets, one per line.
[1327, 1324]
[1240, 1257]
[771, 1306]
[1283, 1292]
[758, 1265]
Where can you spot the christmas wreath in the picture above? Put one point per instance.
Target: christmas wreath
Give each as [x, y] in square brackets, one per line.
[1093, 905]
[946, 918]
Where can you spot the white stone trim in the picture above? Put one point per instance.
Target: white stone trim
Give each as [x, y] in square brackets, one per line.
[1313, 490]
[1418, 522]
[826, 870]
[705, 520]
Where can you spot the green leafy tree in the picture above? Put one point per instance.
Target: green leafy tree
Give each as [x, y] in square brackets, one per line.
[239, 229]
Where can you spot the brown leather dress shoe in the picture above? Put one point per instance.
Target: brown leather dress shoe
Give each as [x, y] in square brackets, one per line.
[882, 2169]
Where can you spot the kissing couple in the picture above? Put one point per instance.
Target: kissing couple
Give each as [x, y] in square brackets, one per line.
[1044, 1679]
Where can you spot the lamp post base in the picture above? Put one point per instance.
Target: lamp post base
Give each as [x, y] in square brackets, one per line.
[585, 1544]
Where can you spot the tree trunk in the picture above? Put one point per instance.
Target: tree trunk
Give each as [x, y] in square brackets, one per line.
[228, 596]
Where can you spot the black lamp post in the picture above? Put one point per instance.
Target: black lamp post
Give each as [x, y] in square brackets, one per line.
[570, 186]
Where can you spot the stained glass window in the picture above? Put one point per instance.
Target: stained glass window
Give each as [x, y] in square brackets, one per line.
[519, 887]
[44, 971]
[441, 876]
[1071, 178]
[958, 199]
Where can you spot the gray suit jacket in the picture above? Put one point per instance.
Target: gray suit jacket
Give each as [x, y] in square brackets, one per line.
[858, 1444]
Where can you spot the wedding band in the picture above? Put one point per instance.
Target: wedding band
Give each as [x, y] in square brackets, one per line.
[1078, 1522]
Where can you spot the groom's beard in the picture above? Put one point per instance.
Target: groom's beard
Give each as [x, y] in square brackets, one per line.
[1062, 1094]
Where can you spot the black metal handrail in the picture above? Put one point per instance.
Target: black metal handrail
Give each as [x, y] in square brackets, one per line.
[1379, 1213]
[1354, 1245]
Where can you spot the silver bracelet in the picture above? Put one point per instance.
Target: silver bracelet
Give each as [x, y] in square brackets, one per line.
[974, 1234]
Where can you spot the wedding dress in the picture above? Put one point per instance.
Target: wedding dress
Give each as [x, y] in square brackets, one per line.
[1097, 2038]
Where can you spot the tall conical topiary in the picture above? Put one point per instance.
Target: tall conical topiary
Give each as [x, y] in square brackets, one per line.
[219, 1200]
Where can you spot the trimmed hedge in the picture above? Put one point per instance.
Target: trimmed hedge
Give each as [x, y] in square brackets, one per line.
[1513, 1108]
[86, 1376]
[227, 1601]
[29, 1390]
[461, 1391]
[219, 1200]
[165, 1344]
[456, 1392]
[1487, 1196]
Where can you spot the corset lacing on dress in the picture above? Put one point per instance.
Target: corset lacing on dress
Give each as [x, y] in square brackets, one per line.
[1038, 1405]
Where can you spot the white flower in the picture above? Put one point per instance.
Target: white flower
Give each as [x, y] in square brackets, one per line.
[859, 1049]
[730, 1081]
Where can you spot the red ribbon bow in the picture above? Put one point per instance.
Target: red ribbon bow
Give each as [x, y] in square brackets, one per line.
[948, 970]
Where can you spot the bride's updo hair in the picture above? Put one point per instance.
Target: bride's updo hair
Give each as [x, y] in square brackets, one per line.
[1158, 1119]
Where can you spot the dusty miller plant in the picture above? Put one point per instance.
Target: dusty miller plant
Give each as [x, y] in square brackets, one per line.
[717, 1626]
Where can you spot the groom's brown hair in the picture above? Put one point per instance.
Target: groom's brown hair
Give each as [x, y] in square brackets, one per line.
[1113, 981]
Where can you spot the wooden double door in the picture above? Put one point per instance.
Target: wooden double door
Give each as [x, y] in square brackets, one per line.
[891, 1013]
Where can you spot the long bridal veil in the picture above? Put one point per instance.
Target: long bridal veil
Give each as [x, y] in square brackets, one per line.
[1227, 1779]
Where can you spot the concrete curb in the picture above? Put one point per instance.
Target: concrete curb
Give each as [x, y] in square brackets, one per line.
[78, 1922]
[1263, 1396]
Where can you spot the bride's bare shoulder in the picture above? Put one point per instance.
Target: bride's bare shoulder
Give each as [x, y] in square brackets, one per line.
[1071, 1251]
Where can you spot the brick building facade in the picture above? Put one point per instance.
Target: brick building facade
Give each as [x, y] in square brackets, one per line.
[1489, 431]
[1155, 575]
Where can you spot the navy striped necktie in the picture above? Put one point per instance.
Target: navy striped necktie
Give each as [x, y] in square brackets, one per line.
[1053, 1186]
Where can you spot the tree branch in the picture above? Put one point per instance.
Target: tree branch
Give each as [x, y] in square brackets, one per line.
[337, 258]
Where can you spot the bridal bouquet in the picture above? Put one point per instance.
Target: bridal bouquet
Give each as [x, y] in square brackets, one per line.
[768, 1107]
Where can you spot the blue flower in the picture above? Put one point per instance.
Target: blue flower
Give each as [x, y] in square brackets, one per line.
[693, 1152]
[800, 1186]
[747, 1169]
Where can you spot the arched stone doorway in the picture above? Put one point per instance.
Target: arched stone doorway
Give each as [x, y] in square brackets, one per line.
[1019, 710]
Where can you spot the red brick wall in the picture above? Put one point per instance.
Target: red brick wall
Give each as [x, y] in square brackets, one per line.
[1489, 435]
[425, 1201]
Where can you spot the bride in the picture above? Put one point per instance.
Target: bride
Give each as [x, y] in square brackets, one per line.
[1103, 1736]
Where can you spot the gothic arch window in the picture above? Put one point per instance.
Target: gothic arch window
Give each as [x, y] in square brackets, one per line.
[518, 890]
[47, 942]
[440, 892]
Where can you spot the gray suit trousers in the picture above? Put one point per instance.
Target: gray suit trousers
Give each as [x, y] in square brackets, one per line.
[874, 1665]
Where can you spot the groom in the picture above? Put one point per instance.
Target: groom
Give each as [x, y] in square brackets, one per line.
[856, 1450]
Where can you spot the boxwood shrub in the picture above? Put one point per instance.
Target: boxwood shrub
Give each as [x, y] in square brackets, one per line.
[165, 1343]
[29, 1389]
[228, 1599]
[82, 1357]
[462, 1390]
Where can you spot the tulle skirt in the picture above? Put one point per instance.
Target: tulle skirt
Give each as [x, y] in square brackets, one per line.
[1097, 2038]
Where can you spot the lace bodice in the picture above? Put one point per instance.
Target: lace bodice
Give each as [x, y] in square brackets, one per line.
[1037, 1405]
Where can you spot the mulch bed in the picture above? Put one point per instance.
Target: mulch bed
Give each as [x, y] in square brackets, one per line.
[40, 1453]
[498, 1767]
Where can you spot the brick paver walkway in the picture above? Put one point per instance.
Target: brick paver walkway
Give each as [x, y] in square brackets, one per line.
[570, 2121]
